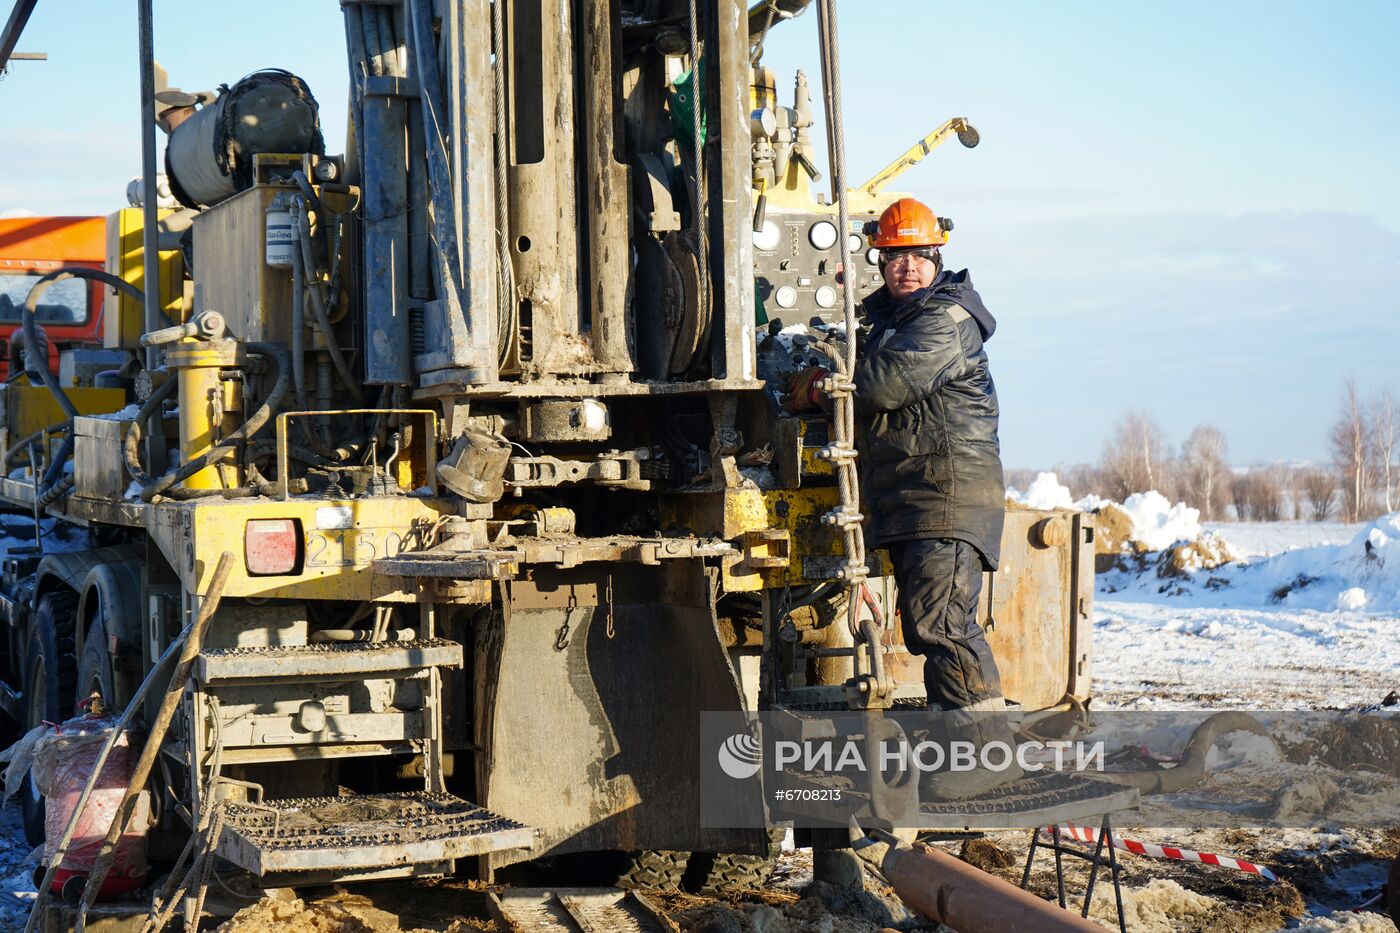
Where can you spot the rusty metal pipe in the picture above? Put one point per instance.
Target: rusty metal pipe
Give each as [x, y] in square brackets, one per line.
[969, 900]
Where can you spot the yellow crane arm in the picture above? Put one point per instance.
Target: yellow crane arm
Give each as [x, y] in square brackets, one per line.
[967, 135]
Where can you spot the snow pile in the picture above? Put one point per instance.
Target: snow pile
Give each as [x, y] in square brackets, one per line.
[1044, 493]
[1157, 523]
[1149, 522]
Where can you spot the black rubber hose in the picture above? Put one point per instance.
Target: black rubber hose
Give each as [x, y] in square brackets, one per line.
[59, 490]
[60, 457]
[131, 446]
[318, 308]
[334, 457]
[1192, 768]
[31, 336]
[246, 430]
[19, 446]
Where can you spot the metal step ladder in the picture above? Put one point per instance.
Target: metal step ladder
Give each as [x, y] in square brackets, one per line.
[355, 833]
[256, 705]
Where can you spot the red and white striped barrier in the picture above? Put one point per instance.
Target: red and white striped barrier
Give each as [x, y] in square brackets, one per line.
[1090, 835]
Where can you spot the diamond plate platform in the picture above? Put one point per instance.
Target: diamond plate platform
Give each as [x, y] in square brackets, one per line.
[359, 832]
[577, 910]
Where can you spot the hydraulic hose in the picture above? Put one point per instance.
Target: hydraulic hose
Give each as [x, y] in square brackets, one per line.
[332, 456]
[54, 484]
[54, 493]
[299, 329]
[318, 307]
[131, 446]
[21, 445]
[242, 433]
[1192, 768]
[31, 335]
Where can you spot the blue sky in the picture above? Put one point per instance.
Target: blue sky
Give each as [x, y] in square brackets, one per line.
[1186, 208]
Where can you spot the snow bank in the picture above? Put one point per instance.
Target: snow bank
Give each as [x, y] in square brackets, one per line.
[1157, 524]
[1361, 575]
[1044, 493]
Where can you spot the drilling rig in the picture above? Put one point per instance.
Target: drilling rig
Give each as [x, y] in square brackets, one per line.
[486, 411]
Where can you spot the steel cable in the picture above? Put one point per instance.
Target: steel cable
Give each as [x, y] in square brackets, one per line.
[840, 386]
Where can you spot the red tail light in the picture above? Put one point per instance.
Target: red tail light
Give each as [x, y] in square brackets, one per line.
[272, 546]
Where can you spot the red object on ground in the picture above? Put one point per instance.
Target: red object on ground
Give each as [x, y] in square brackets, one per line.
[67, 758]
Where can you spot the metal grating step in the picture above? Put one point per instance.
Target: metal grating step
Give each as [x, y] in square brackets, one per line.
[359, 832]
[577, 910]
[329, 660]
[1038, 800]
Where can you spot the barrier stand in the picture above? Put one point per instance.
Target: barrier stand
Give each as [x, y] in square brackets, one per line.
[1105, 835]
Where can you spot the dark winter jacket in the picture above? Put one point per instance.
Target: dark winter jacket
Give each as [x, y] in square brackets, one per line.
[927, 415]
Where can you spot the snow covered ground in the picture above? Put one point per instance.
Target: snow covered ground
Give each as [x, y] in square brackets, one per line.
[1309, 617]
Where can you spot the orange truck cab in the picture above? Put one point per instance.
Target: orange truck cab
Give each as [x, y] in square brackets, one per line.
[70, 311]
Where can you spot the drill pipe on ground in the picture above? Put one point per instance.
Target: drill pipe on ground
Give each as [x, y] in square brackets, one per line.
[970, 900]
[967, 899]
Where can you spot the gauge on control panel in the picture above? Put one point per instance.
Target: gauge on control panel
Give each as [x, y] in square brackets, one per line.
[786, 296]
[826, 297]
[822, 234]
[769, 237]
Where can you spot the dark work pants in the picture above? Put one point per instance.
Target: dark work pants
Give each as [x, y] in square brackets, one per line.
[940, 581]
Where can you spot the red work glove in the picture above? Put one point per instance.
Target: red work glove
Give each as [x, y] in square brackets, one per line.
[804, 389]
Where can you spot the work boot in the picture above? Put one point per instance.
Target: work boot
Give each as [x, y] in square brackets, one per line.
[981, 723]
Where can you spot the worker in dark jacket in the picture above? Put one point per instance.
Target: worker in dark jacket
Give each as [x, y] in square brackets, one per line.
[932, 485]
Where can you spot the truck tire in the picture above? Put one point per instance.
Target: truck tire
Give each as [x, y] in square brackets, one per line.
[718, 873]
[654, 869]
[51, 674]
[95, 665]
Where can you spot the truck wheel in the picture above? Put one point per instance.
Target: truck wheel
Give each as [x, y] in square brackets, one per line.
[95, 666]
[51, 673]
[714, 873]
[654, 869]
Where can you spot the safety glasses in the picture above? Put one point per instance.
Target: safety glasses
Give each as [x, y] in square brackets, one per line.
[901, 257]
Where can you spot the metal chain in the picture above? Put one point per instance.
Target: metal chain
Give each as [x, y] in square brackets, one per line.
[561, 639]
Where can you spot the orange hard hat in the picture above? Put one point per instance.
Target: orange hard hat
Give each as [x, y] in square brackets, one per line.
[907, 222]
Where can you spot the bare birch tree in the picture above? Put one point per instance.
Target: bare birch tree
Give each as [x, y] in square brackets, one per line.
[1134, 458]
[1206, 471]
[1351, 455]
[1382, 443]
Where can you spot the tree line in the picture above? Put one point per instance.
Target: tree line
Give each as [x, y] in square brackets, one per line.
[1361, 481]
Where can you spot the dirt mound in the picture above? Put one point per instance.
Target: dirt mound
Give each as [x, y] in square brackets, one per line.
[1113, 529]
[296, 917]
[1185, 557]
[986, 855]
[1366, 741]
[342, 914]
